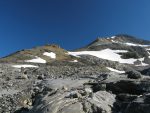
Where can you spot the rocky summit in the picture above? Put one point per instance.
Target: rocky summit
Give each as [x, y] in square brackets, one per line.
[109, 75]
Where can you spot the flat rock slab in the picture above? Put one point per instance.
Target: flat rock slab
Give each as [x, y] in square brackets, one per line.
[69, 83]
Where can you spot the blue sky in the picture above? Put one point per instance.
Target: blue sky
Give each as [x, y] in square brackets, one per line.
[69, 23]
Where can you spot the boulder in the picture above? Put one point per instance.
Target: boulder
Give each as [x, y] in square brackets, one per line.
[129, 86]
[134, 74]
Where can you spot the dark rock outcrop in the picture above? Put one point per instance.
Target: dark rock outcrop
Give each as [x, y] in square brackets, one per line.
[134, 74]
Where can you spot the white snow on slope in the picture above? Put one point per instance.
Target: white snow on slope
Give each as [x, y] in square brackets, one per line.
[133, 44]
[51, 54]
[130, 44]
[149, 54]
[24, 66]
[117, 71]
[107, 54]
[113, 37]
[142, 62]
[36, 60]
[148, 49]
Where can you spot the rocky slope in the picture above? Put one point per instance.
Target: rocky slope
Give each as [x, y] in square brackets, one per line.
[110, 75]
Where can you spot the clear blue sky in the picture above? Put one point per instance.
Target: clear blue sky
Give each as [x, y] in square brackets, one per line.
[69, 23]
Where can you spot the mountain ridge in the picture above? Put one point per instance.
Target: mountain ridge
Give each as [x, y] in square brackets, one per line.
[118, 42]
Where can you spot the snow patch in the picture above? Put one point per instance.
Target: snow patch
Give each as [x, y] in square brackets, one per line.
[117, 71]
[133, 44]
[74, 61]
[130, 44]
[51, 54]
[113, 37]
[36, 60]
[107, 54]
[24, 66]
[148, 49]
[142, 62]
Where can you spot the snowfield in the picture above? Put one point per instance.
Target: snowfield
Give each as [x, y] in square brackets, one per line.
[37, 60]
[108, 54]
[51, 54]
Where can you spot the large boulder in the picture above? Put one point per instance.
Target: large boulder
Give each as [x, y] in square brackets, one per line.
[134, 74]
[129, 86]
[103, 102]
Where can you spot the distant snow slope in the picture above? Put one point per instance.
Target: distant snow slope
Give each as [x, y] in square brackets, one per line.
[133, 44]
[107, 54]
[51, 54]
[36, 60]
[130, 44]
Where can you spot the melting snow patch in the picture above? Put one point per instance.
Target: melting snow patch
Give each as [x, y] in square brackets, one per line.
[107, 54]
[117, 71]
[24, 66]
[51, 54]
[37, 60]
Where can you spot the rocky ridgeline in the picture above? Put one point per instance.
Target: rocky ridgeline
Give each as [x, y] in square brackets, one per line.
[76, 84]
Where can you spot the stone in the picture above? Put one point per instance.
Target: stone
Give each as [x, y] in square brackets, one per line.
[103, 102]
[41, 77]
[134, 74]
[65, 88]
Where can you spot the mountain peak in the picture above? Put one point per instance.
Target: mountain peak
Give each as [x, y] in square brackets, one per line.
[120, 38]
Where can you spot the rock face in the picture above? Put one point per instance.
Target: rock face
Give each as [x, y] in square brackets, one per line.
[49, 79]
[139, 105]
